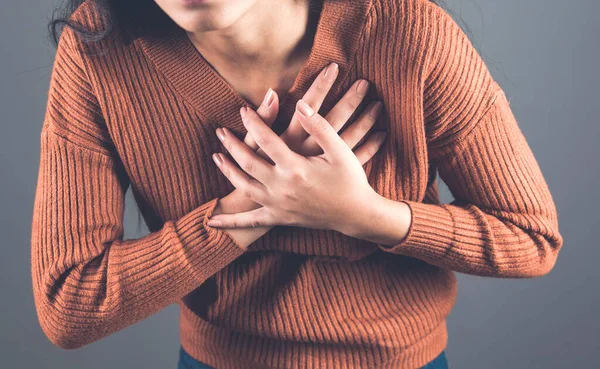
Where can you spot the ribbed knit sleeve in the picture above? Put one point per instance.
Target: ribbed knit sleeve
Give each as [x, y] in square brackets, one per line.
[503, 221]
[89, 282]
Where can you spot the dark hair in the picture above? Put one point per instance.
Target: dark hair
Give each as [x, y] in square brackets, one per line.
[133, 17]
[130, 16]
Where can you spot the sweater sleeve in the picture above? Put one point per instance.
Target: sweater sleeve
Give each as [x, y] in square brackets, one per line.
[89, 282]
[503, 221]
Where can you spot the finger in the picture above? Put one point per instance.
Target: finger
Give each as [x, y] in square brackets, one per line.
[359, 128]
[267, 110]
[246, 158]
[314, 97]
[366, 151]
[342, 111]
[264, 155]
[323, 133]
[272, 144]
[345, 107]
[250, 187]
[254, 218]
[354, 133]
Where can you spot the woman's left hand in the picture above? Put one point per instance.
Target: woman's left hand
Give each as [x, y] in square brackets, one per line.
[328, 191]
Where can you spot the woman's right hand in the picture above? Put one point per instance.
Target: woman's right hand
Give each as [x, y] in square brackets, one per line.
[296, 137]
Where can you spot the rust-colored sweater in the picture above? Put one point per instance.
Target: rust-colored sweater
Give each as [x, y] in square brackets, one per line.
[144, 115]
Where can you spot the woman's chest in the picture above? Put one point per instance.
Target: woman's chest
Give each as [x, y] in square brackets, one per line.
[166, 144]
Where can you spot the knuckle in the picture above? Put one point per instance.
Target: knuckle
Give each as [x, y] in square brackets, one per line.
[371, 149]
[298, 175]
[321, 86]
[226, 170]
[320, 124]
[360, 124]
[263, 139]
[364, 125]
[247, 166]
[289, 193]
[228, 145]
[350, 103]
[250, 117]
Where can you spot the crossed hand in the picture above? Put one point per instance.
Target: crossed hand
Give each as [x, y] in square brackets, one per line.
[310, 176]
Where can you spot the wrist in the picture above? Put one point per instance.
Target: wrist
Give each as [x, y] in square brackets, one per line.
[362, 222]
[382, 220]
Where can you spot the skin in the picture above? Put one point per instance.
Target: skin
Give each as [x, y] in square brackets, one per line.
[288, 179]
[253, 44]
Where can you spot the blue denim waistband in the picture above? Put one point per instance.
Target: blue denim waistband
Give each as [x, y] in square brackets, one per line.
[188, 362]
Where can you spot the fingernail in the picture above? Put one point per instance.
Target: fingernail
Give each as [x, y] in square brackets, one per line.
[269, 97]
[217, 158]
[220, 134]
[375, 109]
[304, 108]
[362, 87]
[243, 110]
[330, 68]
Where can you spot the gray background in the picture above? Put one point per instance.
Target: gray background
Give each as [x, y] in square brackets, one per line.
[545, 56]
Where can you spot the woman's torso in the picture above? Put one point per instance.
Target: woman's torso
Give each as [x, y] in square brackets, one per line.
[296, 291]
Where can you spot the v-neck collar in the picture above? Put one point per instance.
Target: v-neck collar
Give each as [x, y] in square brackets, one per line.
[336, 39]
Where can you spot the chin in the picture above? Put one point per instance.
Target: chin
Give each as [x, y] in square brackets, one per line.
[205, 15]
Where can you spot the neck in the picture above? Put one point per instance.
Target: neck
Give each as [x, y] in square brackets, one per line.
[271, 35]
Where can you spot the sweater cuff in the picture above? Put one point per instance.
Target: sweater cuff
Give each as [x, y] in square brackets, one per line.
[210, 249]
[432, 228]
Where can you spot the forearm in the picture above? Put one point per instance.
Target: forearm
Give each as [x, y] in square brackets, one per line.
[89, 282]
[503, 221]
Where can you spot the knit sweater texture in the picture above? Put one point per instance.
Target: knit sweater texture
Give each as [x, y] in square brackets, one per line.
[143, 116]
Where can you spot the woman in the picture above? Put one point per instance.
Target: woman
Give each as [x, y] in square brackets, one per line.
[327, 247]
